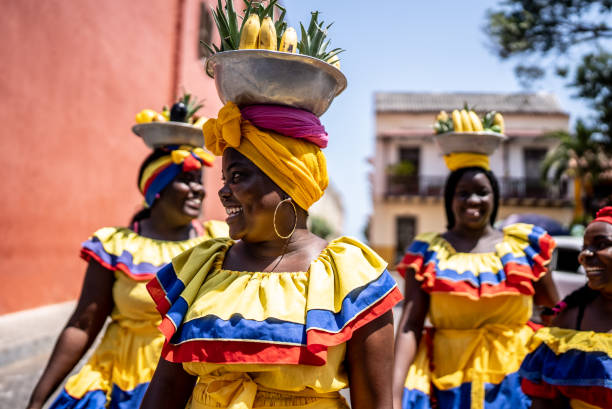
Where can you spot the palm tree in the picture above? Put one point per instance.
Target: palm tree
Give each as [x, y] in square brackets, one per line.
[578, 157]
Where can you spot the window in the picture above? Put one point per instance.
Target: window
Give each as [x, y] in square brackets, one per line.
[405, 230]
[533, 160]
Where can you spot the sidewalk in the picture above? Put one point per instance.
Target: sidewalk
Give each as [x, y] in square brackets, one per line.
[26, 340]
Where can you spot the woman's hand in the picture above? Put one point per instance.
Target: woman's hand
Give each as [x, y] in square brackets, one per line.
[369, 357]
[410, 328]
[546, 293]
[94, 306]
[171, 387]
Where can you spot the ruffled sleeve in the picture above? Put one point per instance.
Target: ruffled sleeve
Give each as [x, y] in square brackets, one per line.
[420, 258]
[121, 249]
[222, 316]
[176, 285]
[525, 254]
[140, 258]
[349, 286]
[575, 364]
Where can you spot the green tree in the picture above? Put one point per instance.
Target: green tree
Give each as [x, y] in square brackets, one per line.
[320, 227]
[579, 157]
[532, 30]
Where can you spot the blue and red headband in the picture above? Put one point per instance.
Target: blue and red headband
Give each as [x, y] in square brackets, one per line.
[159, 173]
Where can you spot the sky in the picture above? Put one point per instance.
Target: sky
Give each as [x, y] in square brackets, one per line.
[412, 46]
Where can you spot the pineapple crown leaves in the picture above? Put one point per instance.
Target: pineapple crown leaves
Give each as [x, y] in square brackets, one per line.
[226, 21]
[314, 41]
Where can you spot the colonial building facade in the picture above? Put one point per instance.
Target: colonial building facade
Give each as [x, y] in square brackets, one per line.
[409, 171]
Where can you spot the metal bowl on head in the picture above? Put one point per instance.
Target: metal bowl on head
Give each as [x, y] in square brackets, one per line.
[247, 77]
[475, 142]
[158, 134]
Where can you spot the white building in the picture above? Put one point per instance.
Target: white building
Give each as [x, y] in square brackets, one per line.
[404, 205]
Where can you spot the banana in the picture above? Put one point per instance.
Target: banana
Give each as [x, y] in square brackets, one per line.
[498, 120]
[476, 124]
[250, 33]
[200, 122]
[267, 35]
[288, 41]
[335, 61]
[465, 121]
[442, 116]
[457, 121]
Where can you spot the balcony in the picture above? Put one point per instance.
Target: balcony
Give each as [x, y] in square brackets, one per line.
[510, 188]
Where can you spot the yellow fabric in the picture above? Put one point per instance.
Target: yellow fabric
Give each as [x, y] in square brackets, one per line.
[131, 345]
[345, 264]
[561, 340]
[476, 340]
[458, 160]
[297, 167]
[578, 404]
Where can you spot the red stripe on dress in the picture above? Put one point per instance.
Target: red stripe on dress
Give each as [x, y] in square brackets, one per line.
[87, 255]
[234, 352]
[159, 296]
[319, 337]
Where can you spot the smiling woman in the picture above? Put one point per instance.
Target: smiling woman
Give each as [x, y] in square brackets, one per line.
[476, 285]
[121, 260]
[569, 364]
[274, 316]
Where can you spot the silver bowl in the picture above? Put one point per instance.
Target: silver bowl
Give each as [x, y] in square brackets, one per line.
[247, 77]
[475, 142]
[158, 134]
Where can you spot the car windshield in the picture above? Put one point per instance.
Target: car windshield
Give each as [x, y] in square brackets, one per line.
[567, 260]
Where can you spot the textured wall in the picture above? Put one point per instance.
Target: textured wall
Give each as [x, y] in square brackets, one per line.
[74, 75]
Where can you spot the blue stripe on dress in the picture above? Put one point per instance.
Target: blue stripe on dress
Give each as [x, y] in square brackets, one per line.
[505, 395]
[121, 399]
[275, 330]
[95, 245]
[172, 286]
[355, 302]
[572, 368]
[91, 400]
[239, 328]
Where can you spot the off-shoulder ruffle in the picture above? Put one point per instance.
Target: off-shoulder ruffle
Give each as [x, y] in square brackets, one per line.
[520, 258]
[576, 364]
[119, 248]
[268, 317]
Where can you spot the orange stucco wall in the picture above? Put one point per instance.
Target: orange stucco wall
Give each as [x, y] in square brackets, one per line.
[73, 76]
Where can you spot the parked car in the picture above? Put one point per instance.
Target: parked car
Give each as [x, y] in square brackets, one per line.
[567, 272]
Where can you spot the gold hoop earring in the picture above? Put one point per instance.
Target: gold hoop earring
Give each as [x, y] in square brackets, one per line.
[274, 220]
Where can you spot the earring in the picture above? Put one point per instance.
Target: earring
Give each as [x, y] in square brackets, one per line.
[294, 224]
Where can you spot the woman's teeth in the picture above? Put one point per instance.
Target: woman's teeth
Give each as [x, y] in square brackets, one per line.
[233, 210]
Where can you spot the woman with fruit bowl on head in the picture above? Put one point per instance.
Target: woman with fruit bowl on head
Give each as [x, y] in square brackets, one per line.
[274, 316]
[475, 284]
[120, 263]
[570, 364]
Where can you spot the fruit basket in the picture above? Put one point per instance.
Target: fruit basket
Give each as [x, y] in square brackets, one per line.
[158, 134]
[257, 76]
[476, 142]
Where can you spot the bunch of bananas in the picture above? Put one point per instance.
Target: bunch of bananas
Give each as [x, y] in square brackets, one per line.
[466, 120]
[259, 31]
[262, 35]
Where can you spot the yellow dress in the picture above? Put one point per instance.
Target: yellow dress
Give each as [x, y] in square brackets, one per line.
[480, 304]
[574, 364]
[268, 339]
[121, 367]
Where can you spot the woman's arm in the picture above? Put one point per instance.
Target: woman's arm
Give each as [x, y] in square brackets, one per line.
[171, 387]
[410, 328]
[545, 291]
[369, 357]
[94, 306]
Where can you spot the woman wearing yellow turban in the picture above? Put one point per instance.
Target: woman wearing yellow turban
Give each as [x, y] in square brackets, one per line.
[275, 316]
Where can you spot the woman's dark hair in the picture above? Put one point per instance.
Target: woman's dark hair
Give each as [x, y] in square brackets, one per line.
[579, 298]
[451, 186]
[145, 212]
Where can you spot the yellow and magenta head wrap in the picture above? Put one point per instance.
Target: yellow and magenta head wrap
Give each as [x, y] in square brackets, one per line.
[294, 162]
[159, 173]
[458, 160]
